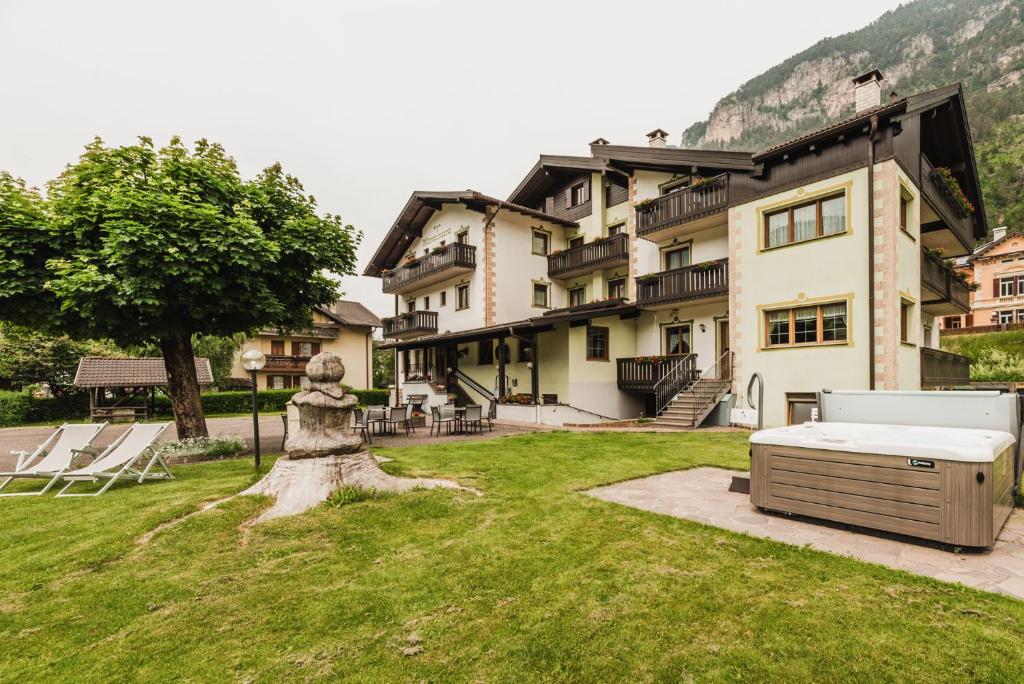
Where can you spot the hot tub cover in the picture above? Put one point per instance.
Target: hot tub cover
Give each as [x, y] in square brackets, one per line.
[948, 444]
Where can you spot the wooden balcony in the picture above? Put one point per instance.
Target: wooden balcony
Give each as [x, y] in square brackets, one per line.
[441, 264]
[412, 324]
[610, 252]
[319, 331]
[698, 281]
[955, 233]
[286, 362]
[942, 293]
[667, 215]
[943, 369]
[643, 374]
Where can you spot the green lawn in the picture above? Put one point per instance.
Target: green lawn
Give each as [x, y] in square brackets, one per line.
[532, 581]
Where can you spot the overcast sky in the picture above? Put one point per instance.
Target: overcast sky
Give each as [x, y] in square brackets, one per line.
[366, 102]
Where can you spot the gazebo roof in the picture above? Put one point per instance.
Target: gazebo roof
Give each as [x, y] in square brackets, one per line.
[101, 371]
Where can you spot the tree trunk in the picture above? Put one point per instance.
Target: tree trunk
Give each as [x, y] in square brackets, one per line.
[183, 386]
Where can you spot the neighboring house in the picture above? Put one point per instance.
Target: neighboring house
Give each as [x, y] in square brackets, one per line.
[655, 279]
[998, 298]
[346, 329]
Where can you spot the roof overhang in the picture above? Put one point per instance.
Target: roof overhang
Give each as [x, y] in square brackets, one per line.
[422, 205]
[629, 158]
[551, 169]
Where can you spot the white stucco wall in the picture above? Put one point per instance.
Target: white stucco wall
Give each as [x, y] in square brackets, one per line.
[823, 270]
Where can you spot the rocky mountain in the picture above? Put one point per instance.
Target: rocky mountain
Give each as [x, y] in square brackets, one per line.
[918, 46]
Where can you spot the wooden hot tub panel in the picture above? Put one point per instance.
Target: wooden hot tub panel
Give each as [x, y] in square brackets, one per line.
[932, 499]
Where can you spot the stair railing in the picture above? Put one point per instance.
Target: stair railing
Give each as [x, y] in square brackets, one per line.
[705, 388]
[676, 378]
[492, 401]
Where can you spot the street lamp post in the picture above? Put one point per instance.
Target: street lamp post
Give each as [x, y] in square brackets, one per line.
[253, 360]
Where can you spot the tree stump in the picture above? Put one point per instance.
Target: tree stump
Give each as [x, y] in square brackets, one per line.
[324, 455]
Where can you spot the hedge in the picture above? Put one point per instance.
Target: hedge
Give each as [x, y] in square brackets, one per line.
[17, 408]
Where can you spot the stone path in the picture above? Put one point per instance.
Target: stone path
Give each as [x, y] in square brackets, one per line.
[702, 495]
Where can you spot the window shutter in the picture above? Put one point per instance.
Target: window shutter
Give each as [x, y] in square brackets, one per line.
[296, 350]
[1020, 285]
[969, 320]
[315, 348]
[568, 197]
[995, 287]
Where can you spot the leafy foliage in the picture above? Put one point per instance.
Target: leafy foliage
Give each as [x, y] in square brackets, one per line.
[995, 357]
[383, 366]
[219, 350]
[1001, 168]
[31, 357]
[143, 245]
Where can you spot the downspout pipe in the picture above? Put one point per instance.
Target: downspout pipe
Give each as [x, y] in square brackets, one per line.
[871, 250]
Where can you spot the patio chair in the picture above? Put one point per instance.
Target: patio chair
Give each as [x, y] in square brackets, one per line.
[120, 458]
[449, 416]
[400, 415]
[438, 421]
[474, 418]
[375, 415]
[56, 455]
[359, 424]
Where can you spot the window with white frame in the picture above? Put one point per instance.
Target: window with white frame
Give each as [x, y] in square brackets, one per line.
[1007, 286]
[1006, 316]
[617, 288]
[677, 257]
[578, 194]
[577, 296]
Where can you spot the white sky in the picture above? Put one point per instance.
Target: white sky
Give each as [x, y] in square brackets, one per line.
[366, 102]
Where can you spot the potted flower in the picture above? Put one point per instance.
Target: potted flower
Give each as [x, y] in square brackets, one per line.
[951, 186]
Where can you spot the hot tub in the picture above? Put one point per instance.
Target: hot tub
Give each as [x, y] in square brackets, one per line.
[952, 485]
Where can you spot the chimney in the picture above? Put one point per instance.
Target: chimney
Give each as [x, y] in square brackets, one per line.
[867, 90]
[998, 233]
[657, 138]
[599, 141]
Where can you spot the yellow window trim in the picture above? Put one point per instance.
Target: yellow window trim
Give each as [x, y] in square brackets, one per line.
[802, 301]
[801, 196]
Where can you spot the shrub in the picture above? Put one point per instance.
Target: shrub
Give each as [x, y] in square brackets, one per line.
[202, 448]
[995, 357]
[13, 408]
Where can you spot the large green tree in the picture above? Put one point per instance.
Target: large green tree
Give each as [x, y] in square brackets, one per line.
[143, 245]
[31, 357]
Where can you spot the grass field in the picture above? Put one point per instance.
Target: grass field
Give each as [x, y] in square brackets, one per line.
[531, 581]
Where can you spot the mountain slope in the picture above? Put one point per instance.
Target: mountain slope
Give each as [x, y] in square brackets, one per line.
[921, 45]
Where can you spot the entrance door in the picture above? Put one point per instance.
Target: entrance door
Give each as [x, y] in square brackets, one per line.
[723, 347]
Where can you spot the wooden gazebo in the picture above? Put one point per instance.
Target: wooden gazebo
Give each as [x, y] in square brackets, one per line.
[130, 382]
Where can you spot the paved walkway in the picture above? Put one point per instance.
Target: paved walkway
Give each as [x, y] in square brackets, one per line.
[271, 434]
[702, 495]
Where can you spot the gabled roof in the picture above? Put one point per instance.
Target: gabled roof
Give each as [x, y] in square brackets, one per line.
[100, 371]
[422, 205]
[987, 247]
[348, 312]
[539, 175]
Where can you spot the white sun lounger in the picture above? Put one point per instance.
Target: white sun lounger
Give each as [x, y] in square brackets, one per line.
[120, 459]
[55, 456]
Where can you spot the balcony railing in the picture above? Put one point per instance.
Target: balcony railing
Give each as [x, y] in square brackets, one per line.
[940, 280]
[440, 264]
[320, 331]
[411, 324]
[607, 253]
[286, 362]
[948, 209]
[943, 369]
[643, 374]
[709, 279]
[680, 206]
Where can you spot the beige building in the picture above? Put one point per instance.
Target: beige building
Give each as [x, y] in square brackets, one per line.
[996, 273]
[656, 281]
[345, 329]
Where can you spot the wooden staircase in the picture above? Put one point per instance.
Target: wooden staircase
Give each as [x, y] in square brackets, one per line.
[692, 405]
